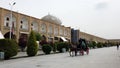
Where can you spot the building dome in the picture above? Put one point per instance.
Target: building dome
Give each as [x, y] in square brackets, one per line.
[52, 19]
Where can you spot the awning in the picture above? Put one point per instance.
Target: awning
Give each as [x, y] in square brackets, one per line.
[1, 36]
[63, 39]
[50, 37]
[24, 32]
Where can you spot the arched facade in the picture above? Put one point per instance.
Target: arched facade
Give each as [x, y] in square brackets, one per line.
[7, 20]
[9, 24]
[56, 31]
[49, 26]
[43, 28]
[34, 26]
[50, 29]
[24, 23]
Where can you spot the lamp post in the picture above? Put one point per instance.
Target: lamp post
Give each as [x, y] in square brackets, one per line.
[11, 5]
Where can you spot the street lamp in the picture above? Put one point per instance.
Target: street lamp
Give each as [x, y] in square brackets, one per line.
[11, 5]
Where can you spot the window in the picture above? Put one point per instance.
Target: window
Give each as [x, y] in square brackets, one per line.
[21, 22]
[61, 31]
[31, 24]
[55, 38]
[50, 30]
[7, 24]
[21, 26]
[43, 28]
[7, 18]
[56, 30]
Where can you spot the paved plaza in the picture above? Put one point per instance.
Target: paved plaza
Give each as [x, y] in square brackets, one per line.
[98, 58]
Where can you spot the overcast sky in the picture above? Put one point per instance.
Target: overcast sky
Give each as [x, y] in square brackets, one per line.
[97, 17]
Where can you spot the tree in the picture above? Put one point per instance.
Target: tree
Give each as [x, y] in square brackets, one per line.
[32, 46]
[38, 36]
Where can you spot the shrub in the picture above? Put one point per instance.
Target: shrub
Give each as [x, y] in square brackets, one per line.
[104, 44]
[9, 47]
[66, 45]
[32, 46]
[54, 46]
[59, 47]
[62, 45]
[99, 45]
[94, 44]
[46, 48]
[90, 45]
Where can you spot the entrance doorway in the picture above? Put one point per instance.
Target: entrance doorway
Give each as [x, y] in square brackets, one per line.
[23, 41]
[7, 35]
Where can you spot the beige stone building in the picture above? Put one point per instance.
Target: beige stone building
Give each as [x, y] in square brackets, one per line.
[114, 40]
[49, 26]
[77, 34]
[90, 37]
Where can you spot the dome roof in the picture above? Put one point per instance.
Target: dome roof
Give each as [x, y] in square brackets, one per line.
[52, 19]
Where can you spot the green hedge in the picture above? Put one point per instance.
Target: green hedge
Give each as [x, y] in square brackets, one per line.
[54, 46]
[46, 48]
[9, 47]
[92, 44]
[62, 45]
[99, 45]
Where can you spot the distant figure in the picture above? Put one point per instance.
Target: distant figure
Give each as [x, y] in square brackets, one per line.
[117, 46]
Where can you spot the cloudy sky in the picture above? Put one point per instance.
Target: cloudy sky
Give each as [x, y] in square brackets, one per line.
[97, 17]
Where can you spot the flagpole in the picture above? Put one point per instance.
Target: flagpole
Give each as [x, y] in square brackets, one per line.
[11, 5]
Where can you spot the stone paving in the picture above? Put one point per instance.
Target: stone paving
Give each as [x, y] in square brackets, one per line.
[98, 58]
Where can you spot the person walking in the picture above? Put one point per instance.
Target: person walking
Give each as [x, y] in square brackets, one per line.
[117, 46]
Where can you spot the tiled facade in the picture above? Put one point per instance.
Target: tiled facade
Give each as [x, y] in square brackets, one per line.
[23, 24]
